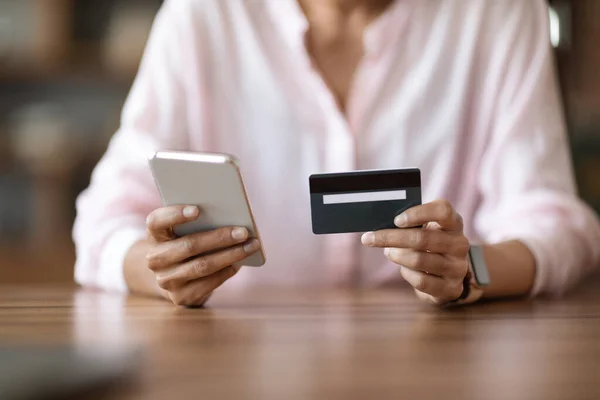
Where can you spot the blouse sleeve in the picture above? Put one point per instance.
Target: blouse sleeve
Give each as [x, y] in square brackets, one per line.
[111, 212]
[526, 180]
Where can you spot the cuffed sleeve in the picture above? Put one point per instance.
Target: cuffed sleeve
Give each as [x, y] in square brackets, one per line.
[526, 180]
[111, 213]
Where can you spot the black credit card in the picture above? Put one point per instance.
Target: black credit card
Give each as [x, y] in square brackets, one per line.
[362, 201]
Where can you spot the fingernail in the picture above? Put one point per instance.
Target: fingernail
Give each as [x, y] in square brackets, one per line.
[190, 211]
[368, 239]
[386, 251]
[239, 234]
[401, 220]
[251, 246]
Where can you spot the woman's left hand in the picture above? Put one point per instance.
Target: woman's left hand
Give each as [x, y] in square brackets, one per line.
[431, 249]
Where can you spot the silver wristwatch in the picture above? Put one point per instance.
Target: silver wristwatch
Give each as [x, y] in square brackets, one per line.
[477, 277]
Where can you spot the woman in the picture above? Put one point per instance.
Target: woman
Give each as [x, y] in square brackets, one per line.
[464, 90]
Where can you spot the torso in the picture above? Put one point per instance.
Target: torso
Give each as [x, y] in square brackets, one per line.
[411, 100]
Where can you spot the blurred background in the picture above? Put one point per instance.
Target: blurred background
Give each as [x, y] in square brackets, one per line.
[66, 67]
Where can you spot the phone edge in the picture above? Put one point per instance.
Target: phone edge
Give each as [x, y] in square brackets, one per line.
[217, 158]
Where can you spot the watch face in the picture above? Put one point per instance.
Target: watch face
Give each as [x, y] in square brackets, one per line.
[480, 271]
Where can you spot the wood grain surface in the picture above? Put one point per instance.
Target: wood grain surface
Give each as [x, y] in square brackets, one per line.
[324, 344]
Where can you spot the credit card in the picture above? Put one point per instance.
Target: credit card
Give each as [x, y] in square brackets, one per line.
[362, 201]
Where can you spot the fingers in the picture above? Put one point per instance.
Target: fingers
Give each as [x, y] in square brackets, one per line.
[196, 292]
[440, 289]
[440, 211]
[204, 266]
[431, 263]
[166, 254]
[431, 249]
[161, 221]
[419, 239]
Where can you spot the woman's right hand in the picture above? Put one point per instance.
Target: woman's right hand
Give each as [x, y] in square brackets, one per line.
[189, 268]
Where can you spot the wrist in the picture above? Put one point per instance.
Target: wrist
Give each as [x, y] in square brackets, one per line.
[512, 268]
[138, 277]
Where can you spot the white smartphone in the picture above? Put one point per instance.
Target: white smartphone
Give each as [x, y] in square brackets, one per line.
[212, 182]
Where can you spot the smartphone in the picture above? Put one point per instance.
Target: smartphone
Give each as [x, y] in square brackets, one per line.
[211, 181]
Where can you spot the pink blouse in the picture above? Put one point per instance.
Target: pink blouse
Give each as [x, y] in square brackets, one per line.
[463, 90]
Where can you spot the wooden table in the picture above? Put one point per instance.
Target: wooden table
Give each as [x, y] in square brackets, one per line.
[296, 344]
